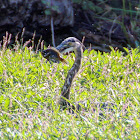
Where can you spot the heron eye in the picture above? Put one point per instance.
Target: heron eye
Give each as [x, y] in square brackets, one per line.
[70, 43]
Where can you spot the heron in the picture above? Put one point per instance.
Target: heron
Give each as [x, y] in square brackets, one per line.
[70, 44]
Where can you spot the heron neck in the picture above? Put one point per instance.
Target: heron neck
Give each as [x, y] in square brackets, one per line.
[72, 72]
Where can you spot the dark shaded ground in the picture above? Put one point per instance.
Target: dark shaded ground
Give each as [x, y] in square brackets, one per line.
[101, 23]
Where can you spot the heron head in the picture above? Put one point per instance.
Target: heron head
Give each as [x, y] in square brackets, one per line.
[68, 45]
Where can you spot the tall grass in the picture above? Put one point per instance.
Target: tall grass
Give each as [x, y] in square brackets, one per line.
[30, 88]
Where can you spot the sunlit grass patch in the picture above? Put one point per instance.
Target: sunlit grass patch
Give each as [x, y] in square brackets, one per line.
[30, 88]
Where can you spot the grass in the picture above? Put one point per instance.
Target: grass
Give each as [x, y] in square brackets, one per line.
[30, 89]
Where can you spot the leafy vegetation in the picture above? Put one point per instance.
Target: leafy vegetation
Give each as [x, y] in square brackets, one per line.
[30, 89]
